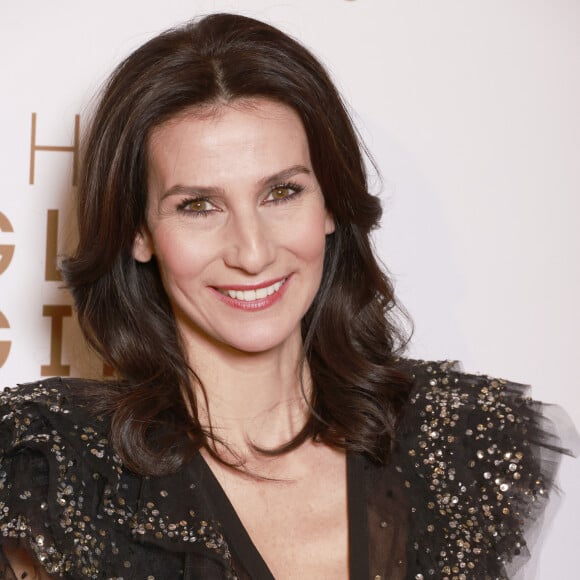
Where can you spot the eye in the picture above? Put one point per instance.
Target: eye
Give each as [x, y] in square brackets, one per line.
[283, 192]
[197, 205]
[200, 206]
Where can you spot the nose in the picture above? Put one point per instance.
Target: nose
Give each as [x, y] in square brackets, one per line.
[249, 245]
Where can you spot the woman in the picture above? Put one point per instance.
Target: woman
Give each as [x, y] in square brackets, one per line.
[264, 423]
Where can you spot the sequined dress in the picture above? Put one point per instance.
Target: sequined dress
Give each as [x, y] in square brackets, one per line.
[469, 474]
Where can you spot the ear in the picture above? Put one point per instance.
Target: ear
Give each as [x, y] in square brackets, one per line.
[329, 224]
[143, 246]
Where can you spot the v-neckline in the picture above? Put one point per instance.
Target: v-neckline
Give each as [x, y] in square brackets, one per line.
[241, 544]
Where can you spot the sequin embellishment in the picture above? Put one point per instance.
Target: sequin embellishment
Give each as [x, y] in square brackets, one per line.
[76, 487]
[478, 427]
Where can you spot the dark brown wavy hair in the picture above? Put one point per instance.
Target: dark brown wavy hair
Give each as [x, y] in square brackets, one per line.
[351, 338]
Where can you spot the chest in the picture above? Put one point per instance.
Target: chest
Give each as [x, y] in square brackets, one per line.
[299, 527]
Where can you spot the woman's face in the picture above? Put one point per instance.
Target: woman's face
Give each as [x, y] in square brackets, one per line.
[237, 223]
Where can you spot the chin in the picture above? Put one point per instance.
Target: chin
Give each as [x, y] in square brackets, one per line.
[261, 343]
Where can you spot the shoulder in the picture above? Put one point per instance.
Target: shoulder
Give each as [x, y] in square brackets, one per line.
[55, 459]
[448, 399]
[55, 407]
[52, 420]
[479, 460]
[50, 424]
[70, 502]
[52, 393]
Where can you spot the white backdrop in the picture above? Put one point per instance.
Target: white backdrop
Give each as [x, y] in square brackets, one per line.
[471, 111]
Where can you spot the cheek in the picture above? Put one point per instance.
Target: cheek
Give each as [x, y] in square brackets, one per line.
[307, 239]
[180, 256]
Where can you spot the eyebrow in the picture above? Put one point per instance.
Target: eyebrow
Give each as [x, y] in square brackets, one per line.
[265, 182]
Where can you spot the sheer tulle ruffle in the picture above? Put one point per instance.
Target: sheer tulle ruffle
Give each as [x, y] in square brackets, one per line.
[479, 459]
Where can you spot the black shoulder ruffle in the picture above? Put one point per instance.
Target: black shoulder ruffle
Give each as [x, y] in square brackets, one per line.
[54, 468]
[66, 497]
[478, 458]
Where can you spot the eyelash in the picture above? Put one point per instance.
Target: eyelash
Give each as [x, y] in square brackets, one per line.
[294, 187]
[295, 191]
[182, 207]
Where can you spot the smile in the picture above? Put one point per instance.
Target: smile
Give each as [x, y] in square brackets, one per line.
[254, 294]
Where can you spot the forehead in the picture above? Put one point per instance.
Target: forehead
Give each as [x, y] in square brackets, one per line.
[242, 136]
[210, 117]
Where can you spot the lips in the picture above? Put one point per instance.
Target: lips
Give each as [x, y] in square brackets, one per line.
[255, 297]
[254, 293]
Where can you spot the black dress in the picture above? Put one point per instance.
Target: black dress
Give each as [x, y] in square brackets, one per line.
[469, 473]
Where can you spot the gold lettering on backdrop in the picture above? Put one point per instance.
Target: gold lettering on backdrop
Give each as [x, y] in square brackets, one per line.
[4, 344]
[51, 273]
[74, 149]
[56, 312]
[6, 250]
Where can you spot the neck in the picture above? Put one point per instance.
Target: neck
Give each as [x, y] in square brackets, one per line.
[252, 398]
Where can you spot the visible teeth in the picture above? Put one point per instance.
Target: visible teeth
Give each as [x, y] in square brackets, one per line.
[250, 295]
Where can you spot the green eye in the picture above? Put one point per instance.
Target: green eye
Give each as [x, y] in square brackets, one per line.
[280, 192]
[284, 192]
[198, 205]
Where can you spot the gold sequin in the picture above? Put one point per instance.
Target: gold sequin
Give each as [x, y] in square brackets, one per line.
[89, 530]
[465, 517]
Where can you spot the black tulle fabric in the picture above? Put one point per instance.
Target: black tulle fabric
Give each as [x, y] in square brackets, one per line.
[468, 476]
